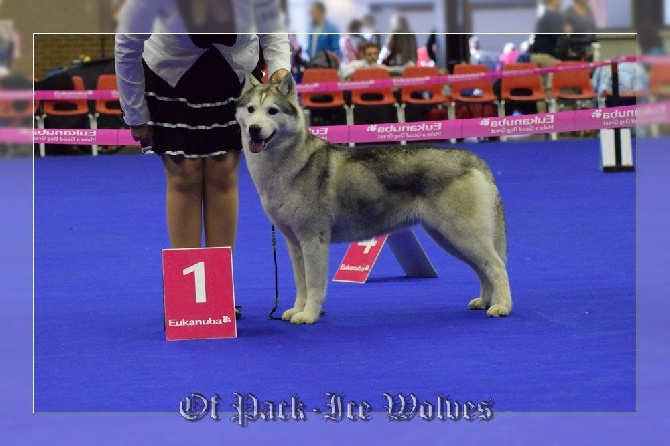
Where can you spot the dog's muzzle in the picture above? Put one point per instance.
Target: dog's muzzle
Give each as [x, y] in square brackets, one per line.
[256, 144]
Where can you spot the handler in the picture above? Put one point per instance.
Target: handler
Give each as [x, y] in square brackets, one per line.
[178, 95]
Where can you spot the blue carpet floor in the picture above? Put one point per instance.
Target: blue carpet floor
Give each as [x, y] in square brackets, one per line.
[569, 344]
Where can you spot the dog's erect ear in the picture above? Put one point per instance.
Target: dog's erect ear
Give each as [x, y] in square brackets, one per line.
[287, 85]
[249, 82]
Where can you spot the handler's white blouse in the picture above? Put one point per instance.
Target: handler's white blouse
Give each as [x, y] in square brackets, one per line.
[171, 55]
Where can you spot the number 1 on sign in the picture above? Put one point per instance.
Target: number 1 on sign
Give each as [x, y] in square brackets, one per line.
[198, 271]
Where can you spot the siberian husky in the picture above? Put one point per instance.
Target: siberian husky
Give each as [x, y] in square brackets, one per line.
[317, 193]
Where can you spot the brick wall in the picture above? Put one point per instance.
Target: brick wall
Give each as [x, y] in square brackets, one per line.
[58, 50]
[54, 16]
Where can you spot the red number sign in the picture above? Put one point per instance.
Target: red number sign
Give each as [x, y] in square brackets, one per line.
[359, 260]
[199, 297]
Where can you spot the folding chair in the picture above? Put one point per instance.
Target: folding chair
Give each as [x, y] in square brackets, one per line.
[324, 101]
[15, 113]
[421, 95]
[107, 108]
[571, 85]
[377, 97]
[659, 81]
[521, 88]
[68, 107]
[482, 88]
[659, 87]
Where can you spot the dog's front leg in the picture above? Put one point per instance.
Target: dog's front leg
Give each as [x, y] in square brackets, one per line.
[315, 258]
[298, 263]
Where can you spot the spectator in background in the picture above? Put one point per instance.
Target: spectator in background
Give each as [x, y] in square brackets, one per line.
[547, 32]
[369, 60]
[352, 44]
[578, 18]
[6, 52]
[432, 48]
[524, 51]
[581, 25]
[649, 39]
[478, 56]
[632, 79]
[324, 36]
[509, 55]
[9, 48]
[401, 47]
[369, 30]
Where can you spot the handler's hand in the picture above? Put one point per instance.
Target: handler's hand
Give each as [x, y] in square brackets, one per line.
[278, 75]
[143, 133]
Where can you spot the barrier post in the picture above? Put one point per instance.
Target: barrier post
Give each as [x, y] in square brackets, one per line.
[616, 154]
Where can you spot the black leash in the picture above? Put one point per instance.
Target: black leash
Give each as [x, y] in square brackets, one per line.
[274, 255]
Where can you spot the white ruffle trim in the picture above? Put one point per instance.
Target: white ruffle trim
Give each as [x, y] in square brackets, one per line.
[185, 155]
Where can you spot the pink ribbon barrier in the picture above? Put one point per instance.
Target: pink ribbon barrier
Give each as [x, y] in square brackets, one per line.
[55, 95]
[100, 137]
[394, 82]
[400, 82]
[337, 134]
[566, 121]
[653, 113]
[16, 135]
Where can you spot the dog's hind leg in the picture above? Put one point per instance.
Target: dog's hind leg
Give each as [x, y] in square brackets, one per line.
[315, 259]
[298, 263]
[482, 302]
[465, 221]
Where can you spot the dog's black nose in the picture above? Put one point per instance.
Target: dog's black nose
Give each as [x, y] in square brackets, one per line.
[255, 131]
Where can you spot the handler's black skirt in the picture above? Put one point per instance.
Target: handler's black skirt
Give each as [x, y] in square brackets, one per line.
[196, 118]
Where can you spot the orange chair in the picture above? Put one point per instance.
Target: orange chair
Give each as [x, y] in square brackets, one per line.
[457, 88]
[15, 112]
[510, 86]
[373, 97]
[571, 80]
[659, 80]
[110, 107]
[68, 107]
[408, 95]
[323, 100]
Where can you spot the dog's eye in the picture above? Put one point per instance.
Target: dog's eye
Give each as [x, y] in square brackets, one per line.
[273, 111]
[251, 109]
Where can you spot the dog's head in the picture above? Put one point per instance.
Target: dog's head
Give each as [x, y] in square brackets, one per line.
[268, 113]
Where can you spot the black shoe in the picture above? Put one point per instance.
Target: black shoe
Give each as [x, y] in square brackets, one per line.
[238, 312]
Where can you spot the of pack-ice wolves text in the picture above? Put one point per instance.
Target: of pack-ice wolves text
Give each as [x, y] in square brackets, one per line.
[317, 193]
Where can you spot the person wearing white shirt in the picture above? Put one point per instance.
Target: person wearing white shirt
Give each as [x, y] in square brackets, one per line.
[369, 60]
[178, 94]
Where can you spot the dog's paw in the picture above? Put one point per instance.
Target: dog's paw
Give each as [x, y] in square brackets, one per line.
[478, 304]
[304, 317]
[498, 310]
[288, 314]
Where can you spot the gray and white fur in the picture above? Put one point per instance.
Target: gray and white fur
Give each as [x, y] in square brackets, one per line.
[317, 193]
